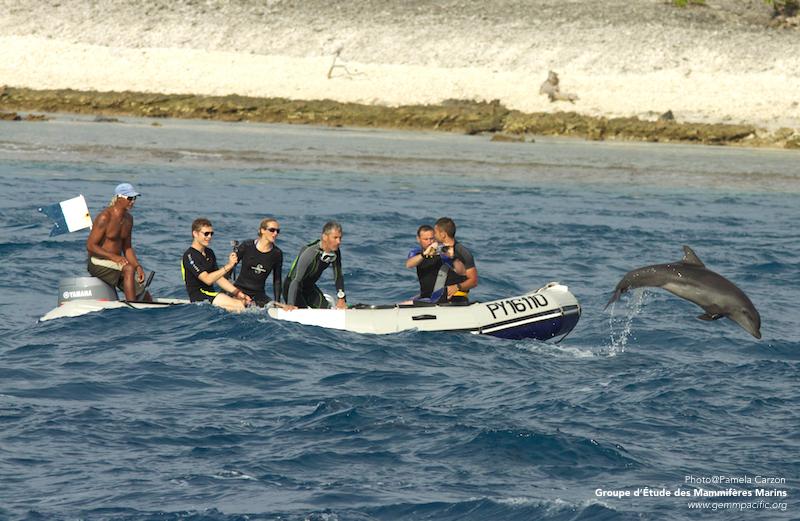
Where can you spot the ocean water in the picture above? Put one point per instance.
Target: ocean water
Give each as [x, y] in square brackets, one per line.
[193, 413]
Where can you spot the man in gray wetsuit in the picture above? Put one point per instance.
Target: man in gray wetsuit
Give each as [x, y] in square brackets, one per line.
[300, 288]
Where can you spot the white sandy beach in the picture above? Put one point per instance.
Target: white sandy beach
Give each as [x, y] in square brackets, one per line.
[723, 68]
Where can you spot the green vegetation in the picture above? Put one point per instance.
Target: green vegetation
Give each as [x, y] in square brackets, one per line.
[684, 3]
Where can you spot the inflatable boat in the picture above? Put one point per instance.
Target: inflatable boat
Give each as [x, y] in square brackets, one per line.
[81, 295]
[543, 314]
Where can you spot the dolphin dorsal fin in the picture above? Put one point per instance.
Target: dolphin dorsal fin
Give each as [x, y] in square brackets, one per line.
[689, 257]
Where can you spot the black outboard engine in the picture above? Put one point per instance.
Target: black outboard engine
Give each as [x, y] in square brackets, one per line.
[84, 288]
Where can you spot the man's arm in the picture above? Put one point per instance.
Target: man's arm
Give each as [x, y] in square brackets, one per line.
[303, 262]
[235, 292]
[339, 280]
[451, 259]
[219, 275]
[228, 286]
[472, 279]
[415, 260]
[96, 237]
[471, 282]
[277, 286]
[464, 257]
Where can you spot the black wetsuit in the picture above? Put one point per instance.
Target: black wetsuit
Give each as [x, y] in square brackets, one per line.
[427, 271]
[193, 264]
[300, 288]
[255, 268]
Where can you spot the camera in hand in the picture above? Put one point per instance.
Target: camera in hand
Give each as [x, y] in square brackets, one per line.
[441, 249]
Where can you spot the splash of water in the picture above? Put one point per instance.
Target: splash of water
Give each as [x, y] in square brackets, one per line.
[619, 338]
[552, 349]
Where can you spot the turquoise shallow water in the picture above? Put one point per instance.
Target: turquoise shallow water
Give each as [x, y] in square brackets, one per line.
[192, 413]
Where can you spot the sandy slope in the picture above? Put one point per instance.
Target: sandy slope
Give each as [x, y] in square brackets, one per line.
[622, 57]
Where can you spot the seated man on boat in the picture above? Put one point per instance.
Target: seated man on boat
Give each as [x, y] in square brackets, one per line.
[457, 285]
[300, 288]
[432, 266]
[259, 258]
[199, 271]
[111, 255]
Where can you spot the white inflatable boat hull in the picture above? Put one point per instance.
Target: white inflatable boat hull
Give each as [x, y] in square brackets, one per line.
[542, 314]
[77, 308]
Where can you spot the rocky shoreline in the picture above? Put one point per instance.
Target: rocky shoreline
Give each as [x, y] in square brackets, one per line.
[721, 67]
[469, 117]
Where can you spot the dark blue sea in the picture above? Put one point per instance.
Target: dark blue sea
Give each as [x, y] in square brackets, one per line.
[191, 413]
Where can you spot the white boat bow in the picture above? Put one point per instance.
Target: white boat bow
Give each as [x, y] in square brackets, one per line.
[542, 314]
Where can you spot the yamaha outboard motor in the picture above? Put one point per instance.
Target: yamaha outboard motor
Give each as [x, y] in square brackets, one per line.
[84, 288]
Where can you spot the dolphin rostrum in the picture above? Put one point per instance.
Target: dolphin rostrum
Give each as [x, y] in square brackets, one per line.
[691, 280]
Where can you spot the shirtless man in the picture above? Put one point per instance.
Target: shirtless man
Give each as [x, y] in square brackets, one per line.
[111, 255]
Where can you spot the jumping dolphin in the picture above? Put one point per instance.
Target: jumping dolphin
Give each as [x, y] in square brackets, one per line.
[691, 280]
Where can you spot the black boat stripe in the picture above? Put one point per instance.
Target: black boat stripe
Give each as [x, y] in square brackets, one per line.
[520, 319]
[565, 311]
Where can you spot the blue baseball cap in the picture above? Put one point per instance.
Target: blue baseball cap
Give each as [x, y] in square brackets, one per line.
[126, 190]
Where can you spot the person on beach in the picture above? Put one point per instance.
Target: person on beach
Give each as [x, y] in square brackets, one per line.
[260, 257]
[457, 285]
[199, 271]
[111, 254]
[432, 266]
[300, 287]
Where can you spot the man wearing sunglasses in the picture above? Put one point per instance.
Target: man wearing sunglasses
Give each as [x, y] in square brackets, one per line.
[111, 255]
[199, 271]
[300, 288]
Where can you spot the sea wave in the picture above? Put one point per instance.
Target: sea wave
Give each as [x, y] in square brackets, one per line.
[194, 413]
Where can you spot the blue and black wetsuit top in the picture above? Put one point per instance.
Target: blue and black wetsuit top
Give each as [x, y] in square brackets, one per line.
[255, 268]
[193, 264]
[300, 287]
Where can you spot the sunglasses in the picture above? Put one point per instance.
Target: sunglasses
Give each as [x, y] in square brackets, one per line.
[273, 230]
[327, 257]
[131, 197]
[208, 234]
